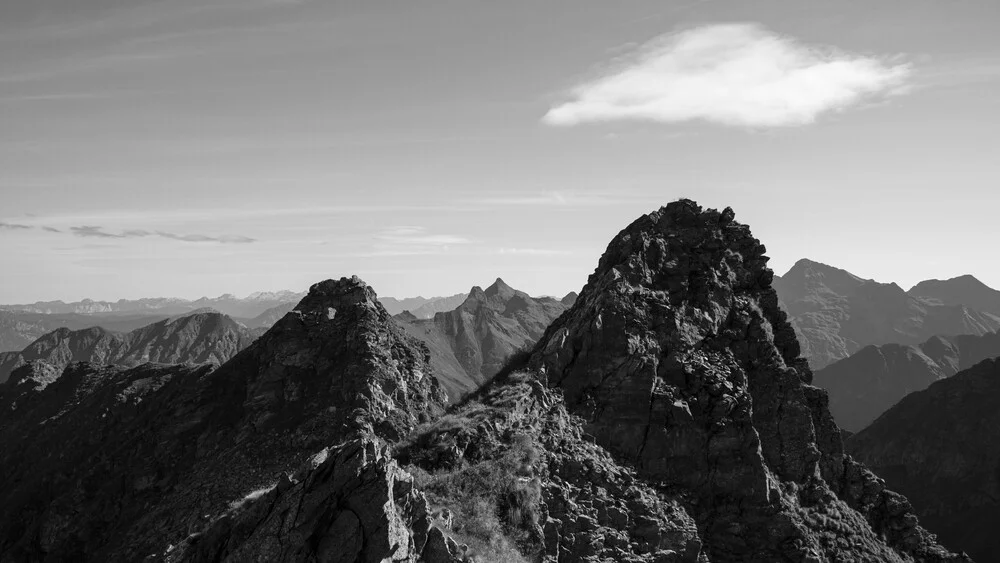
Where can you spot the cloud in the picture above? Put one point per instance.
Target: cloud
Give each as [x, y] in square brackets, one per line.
[418, 236]
[98, 232]
[568, 199]
[732, 74]
[533, 251]
[13, 226]
[412, 241]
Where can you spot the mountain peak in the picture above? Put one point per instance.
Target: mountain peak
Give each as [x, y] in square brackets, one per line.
[332, 294]
[501, 289]
[716, 355]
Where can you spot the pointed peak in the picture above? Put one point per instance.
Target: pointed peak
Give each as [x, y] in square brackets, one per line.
[570, 298]
[500, 288]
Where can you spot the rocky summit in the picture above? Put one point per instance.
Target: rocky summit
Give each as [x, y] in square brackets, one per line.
[682, 365]
[115, 464]
[941, 447]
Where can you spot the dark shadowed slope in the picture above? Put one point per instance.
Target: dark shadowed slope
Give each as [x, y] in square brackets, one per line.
[197, 338]
[836, 313]
[680, 362]
[941, 448]
[469, 344]
[963, 290]
[109, 464]
[866, 384]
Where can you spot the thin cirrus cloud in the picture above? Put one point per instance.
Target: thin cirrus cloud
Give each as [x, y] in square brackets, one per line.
[412, 241]
[731, 74]
[90, 231]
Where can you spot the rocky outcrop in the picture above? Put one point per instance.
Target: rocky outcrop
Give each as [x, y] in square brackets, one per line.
[515, 451]
[866, 384]
[681, 363]
[115, 464]
[836, 313]
[941, 448]
[350, 503]
[471, 343]
[197, 338]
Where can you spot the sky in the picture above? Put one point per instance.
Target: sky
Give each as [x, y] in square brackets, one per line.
[199, 147]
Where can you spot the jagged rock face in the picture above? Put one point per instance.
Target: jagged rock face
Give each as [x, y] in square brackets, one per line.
[941, 448]
[871, 381]
[471, 343]
[836, 313]
[590, 508]
[198, 338]
[108, 464]
[681, 363]
[351, 503]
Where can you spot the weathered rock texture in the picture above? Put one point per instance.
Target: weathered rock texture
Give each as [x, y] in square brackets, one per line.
[470, 344]
[836, 313]
[198, 338]
[114, 464]
[941, 448]
[681, 363]
[866, 384]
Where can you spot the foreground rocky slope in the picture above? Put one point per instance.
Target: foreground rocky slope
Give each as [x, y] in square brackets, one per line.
[198, 338]
[114, 464]
[836, 313]
[941, 447]
[680, 362]
[866, 384]
[469, 344]
[666, 417]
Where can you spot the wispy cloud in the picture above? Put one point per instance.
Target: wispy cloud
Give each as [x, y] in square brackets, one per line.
[732, 74]
[533, 251]
[567, 199]
[13, 226]
[413, 241]
[90, 231]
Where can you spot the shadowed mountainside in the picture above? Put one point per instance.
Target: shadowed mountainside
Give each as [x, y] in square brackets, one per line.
[866, 384]
[941, 448]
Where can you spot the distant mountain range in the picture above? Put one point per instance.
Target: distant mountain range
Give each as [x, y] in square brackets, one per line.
[247, 307]
[19, 329]
[471, 343]
[867, 383]
[836, 313]
[941, 448]
[206, 337]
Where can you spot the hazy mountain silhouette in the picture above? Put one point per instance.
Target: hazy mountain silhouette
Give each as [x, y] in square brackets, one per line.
[866, 384]
[963, 290]
[941, 448]
[19, 328]
[195, 338]
[247, 307]
[836, 313]
[470, 343]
